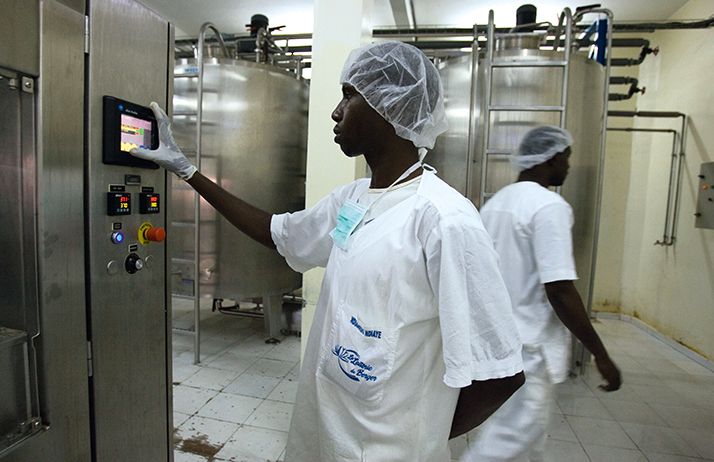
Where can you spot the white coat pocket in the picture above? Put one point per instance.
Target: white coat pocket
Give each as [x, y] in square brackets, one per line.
[358, 356]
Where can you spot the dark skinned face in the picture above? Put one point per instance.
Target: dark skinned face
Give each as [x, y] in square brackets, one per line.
[559, 168]
[359, 127]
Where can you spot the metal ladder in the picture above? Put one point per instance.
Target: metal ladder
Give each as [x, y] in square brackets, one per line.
[487, 152]
[200, 61]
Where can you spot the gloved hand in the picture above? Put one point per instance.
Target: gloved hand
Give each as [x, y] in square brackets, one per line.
[168, 154]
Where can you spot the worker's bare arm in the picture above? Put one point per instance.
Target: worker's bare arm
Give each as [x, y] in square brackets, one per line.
[568, 305]
[481, 399]
[251, 220]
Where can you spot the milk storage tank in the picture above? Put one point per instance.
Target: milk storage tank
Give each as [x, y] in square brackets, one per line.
[254, 138]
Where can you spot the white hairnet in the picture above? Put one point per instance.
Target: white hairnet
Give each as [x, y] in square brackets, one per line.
[403, 86]
[540, 144]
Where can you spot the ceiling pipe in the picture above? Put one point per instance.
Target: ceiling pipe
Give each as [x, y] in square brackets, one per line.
[648, 26]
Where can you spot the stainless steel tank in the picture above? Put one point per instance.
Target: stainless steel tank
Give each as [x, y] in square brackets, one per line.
[254, 139]
[524, 86]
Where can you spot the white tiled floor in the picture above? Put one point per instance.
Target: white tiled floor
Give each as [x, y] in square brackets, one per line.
[236, 405]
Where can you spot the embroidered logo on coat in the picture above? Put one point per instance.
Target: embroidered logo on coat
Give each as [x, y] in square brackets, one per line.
[366, 333]
[351, 366]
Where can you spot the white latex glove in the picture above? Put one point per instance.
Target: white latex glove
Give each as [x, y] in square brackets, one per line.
[168, 154]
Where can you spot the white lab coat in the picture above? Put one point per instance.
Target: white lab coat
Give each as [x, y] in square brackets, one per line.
[413, 311]
[531, 228]
[516, 432]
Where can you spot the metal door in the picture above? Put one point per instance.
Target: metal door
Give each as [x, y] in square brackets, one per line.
[43, 248]
[19, 317]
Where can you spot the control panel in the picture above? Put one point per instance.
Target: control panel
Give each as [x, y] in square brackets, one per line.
[705, 199]
[129, 232]
[125, 126]
[130, 323]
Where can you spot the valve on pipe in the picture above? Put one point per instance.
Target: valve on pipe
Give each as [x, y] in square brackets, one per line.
[634, 89]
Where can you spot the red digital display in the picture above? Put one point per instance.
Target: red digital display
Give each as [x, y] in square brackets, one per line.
[149, 202]
[118, 203]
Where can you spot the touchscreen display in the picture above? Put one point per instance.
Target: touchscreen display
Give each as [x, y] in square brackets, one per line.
[135, 133]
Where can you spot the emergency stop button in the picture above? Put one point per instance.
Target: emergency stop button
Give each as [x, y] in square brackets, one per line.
[150, 233]
[155, 233]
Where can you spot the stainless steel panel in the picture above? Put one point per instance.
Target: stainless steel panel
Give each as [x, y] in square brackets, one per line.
[167, 261]
[705, 198]
[253, 144]
[62, 346]
[15, 408]
[450, 152]
[514, 86]
[18, 285]
[12, 207]
[20, 35]
[128, 59]
[584, 121]
[76, 5]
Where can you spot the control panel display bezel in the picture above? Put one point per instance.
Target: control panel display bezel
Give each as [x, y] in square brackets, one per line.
[120, 117]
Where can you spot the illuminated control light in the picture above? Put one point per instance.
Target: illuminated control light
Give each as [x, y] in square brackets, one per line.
[117, 237]
[149, 203]
[118, 203]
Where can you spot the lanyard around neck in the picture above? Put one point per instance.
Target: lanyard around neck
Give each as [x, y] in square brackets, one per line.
[406, 173]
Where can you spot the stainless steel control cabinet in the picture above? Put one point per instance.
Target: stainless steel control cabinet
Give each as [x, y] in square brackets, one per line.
[85, 346]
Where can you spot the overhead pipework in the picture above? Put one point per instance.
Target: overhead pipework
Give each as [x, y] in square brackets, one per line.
[260, 45]
[453, 41]
[646, 50]
[443, 43]
[481, 29]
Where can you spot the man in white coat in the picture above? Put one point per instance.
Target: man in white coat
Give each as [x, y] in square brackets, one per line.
[413, 339]
[531, 228]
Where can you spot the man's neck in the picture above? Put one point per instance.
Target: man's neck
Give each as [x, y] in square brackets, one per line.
[387, 166]
[535, 177]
